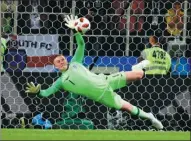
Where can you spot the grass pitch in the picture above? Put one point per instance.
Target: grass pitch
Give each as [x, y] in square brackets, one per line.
[33, 134]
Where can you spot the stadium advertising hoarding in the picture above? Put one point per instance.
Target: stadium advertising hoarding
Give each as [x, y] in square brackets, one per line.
[35, 53]
[105, 64]
[32, 53]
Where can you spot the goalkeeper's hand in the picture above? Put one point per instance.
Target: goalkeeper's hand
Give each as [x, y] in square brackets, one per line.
[70, 21]
[31, 88]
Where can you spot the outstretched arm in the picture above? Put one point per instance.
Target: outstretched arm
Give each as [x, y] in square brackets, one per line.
[56, 86]
[31, 88]
[79, 54]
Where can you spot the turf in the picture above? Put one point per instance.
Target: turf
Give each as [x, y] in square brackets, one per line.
[33, 134]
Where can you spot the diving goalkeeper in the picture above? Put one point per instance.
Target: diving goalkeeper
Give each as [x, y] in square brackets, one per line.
[78, 79]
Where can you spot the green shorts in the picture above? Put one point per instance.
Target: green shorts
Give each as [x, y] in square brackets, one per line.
[109, 97]
[117, 80]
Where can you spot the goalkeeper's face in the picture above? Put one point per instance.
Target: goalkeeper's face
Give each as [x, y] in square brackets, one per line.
[61, 63]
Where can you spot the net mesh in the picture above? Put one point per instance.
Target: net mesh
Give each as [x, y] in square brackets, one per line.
[120, 31]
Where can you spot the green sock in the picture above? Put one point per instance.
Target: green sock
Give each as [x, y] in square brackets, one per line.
[140, 113]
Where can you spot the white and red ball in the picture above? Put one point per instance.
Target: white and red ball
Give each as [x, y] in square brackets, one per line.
[82, 25]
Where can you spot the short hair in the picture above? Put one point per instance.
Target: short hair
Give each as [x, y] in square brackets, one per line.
[177, 3]
[57, 56]
[156, 39]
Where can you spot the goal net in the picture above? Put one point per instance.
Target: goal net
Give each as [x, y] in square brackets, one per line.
[35, 33]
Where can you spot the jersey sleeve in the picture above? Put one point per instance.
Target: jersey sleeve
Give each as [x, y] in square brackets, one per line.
[79, 54]
[143, 54]
[169, 63]
[3, 45]
[56, 86]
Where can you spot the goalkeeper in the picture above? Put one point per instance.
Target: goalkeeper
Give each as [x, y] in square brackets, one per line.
[78, 79]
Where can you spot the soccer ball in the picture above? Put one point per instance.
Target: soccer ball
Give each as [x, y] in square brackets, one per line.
[82, 25]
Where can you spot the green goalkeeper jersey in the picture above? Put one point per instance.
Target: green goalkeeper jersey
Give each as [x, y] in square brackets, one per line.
[78, 79]
[3, 49]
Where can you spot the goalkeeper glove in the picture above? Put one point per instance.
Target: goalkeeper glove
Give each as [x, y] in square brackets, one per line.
[140, 66]
[70, 21]
[32, 88]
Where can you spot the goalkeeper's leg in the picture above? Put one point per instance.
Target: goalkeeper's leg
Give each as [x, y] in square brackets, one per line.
[121, 79]
[140, 113]
[113, 100]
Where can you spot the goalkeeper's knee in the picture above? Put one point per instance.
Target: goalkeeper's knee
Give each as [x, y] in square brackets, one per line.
[118, 102]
